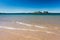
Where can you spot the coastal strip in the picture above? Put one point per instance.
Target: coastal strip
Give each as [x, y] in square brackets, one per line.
[22, 29]
[12, 28]
[29, 25]
[41, 27]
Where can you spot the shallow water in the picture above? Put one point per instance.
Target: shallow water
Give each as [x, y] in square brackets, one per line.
[30, 27]
[34, 19]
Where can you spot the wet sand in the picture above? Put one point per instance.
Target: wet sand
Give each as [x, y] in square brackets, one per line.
[25, 31]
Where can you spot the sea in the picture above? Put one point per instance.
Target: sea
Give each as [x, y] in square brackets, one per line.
[31, 19]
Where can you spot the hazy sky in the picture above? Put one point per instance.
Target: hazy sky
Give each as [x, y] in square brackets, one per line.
[9, 6]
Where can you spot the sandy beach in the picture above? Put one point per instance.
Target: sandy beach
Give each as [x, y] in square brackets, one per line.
[29, 19]
[27, 31]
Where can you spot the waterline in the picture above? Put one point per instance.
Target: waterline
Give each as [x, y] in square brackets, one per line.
[30, 25]
[11, 28]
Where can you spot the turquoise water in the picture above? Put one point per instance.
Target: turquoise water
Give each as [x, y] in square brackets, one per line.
[33, 19]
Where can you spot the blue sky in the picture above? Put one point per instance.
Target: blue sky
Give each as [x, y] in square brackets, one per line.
[17, 6]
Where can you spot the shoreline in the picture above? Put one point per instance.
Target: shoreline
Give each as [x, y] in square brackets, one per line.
[35, 33]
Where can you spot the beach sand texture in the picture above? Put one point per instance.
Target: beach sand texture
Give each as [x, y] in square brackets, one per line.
[24, 31]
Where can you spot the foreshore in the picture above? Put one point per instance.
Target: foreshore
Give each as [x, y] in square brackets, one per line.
[27, 31]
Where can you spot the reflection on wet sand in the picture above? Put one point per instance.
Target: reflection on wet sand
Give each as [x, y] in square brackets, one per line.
[28, 32]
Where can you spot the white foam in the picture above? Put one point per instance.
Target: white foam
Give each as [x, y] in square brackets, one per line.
[24, 23]
[29, 24]
[39, 26]
[48, 32]
[11, 28]
[4, 27]
[42, 27]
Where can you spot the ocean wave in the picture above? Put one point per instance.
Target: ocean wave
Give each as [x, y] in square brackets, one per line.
[26, 24]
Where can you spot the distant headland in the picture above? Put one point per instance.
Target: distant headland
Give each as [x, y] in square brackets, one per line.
[33, 13]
